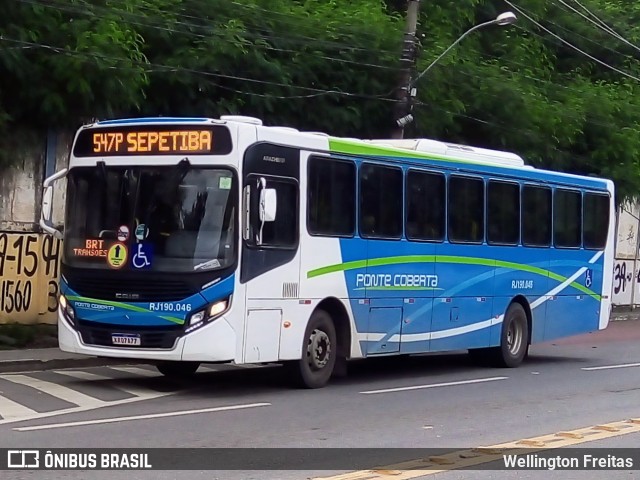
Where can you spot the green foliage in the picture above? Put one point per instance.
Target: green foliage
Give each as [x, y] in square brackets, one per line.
[520, 88]
[332, 66]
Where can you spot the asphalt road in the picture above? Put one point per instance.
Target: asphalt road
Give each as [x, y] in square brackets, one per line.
[434, 401]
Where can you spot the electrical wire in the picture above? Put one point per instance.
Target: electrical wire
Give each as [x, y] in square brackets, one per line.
[317, 91]
[601, 24]
[570, 45]
[298, 40]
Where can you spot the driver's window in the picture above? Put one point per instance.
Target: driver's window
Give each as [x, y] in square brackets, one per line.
[283, 232]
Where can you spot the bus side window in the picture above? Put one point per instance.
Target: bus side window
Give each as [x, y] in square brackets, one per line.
[466, 209]
[425, 219]
[536, 216]
[331, 198]
[381, 199]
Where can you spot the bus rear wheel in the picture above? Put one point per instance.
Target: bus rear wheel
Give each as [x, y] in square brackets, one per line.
[178, 369]
[319, 350]
[514, 339]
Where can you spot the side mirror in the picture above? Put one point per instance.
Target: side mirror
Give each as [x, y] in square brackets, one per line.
[268, 205]
[46, 211]
[47, 204]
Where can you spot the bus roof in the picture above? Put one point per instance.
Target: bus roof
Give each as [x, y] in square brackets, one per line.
[399, 149]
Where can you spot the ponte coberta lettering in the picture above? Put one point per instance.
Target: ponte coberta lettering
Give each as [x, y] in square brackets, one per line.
[400, 280]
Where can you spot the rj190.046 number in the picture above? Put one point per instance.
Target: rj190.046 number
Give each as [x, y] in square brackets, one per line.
[169, 307]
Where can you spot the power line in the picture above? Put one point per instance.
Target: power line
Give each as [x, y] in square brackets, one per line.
[210, 30]
[356, 31]
[602, 24]
[621, 72]
[317, 91]
[304, 40]
[587, 39]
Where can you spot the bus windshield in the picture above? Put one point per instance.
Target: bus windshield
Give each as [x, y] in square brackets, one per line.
[171, 219]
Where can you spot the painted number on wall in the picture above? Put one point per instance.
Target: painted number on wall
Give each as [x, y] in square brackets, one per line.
[621, 277]
[26, 261]
[15, 297]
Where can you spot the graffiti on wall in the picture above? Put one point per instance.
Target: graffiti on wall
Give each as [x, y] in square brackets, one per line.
[29, 271]
[625, 280]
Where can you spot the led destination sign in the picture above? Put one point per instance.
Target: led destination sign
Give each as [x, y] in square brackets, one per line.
[153, 140]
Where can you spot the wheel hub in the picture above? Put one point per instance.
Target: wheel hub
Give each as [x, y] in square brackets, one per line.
[319, 349]
[514, 338]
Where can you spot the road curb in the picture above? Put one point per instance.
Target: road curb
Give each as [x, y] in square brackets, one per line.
[30, 365]
[624, 315]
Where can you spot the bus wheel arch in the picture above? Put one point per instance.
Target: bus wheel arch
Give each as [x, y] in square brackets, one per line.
[338, 313]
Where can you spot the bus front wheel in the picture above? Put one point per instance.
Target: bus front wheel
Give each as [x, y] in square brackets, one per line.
[177, 369]
[319, 350]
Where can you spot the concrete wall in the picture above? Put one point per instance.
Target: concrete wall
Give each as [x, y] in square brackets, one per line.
[29, 260]
[626, 273]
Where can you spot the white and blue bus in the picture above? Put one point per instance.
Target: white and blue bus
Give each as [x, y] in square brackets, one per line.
[195, 240]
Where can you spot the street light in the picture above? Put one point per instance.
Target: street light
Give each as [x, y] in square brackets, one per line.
[506, 18]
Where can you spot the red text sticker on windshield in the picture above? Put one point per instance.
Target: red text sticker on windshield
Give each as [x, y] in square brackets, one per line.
[92, 248]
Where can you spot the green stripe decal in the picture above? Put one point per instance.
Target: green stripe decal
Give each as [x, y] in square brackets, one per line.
[124, 306]
[352, 148]
[377, 262]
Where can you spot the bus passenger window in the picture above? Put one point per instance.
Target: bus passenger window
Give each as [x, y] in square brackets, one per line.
[331, 200]
[425, 205]
[596, 220]
[503, 212]
[536, 216]
[466, 209]
[567, 218]
[380, 201]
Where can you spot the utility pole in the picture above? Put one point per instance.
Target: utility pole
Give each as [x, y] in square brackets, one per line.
[407, 61]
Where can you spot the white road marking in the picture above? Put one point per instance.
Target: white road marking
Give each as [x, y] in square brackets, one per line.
[56, 390]
[434, 385]
[141, 417]
[93, 377]
[10, 409]
[136, 371]
[66, 411]
[607, 367]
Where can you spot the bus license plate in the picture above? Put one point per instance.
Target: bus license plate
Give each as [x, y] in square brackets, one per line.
[125, 339]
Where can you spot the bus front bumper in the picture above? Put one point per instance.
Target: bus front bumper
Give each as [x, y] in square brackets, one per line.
[215, 342]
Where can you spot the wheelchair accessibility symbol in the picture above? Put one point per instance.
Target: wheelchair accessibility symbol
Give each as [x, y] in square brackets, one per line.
[588, 278]
[143, 257]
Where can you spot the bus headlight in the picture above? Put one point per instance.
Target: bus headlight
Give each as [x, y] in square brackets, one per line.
[218, 308]
[67, 310]
[211, 312]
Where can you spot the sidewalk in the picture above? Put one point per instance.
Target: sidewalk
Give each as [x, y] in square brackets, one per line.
[52, 358]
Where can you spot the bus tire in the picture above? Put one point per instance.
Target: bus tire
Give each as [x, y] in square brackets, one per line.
[514, 338]
[178, 369]
[319, 352]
